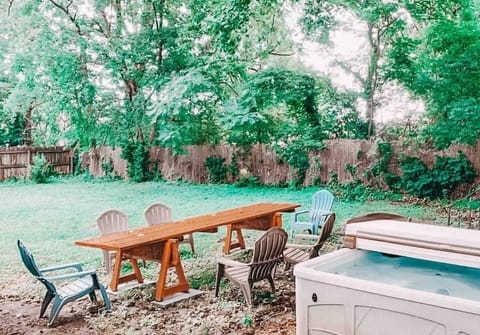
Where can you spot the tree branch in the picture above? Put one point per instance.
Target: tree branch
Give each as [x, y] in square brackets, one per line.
[382, 30]
[273, 53]
[355, 74]
[230, 87]
[10, 4]
[66, 10]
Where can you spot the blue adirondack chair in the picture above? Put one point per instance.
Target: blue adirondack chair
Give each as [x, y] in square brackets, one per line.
[86, 283]
[322, 203]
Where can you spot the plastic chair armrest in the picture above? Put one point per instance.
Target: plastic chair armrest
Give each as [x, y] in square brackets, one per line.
[297, 213]
[305, 237]
[230, 262]
[77, 266]
[71, 275]
[323, 212]
[298, 246]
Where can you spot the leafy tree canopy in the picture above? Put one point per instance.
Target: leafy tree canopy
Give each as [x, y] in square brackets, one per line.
[441, 65]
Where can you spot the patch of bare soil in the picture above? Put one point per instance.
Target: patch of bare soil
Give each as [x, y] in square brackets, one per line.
[134, 313]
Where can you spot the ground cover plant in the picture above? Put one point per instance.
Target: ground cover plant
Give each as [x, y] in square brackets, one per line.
[50, 217]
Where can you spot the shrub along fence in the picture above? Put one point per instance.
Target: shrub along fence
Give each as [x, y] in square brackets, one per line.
[15, 161]
[343, 160]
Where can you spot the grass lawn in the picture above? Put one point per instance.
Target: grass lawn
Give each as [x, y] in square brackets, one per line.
[50, 217]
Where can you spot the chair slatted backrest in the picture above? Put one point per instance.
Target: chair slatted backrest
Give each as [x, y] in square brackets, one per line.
[325, 233]
[157, 214]
[112, 221]
[28, 259]
[31, 265]
[321, 201]
[377, 216]
[267, 253]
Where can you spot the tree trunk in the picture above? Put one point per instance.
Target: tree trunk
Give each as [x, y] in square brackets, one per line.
[372, 78]
[27, 132]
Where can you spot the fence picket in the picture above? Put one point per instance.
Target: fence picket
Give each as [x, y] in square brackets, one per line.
[15, 161]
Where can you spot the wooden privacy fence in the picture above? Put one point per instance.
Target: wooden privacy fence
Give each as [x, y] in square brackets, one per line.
[15, 161]
[262, 162]
[259, 161]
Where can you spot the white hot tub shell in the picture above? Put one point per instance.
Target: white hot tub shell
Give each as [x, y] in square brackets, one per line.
[425, 283]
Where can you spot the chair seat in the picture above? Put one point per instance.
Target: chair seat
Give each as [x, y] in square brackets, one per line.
[308, 246]
[303, 224]
[76, 287]
[238, 274]
[294, 255]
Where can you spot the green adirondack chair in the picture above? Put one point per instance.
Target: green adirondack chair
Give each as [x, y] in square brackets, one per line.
[85, 282]
[322, 203]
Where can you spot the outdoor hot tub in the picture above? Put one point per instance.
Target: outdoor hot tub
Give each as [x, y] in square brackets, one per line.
[396, 278]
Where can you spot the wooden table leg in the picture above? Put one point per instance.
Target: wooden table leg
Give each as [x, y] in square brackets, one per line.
[261, 223]
[170, 258]
[117, 269]
[277, 220]
[114, 281]
[228, 246]
[136, 270]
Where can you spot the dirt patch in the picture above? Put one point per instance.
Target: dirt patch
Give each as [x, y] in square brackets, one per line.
[21, 317]
[134, 313]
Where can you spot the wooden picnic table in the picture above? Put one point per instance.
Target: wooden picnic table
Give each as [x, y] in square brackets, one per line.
[159, 243]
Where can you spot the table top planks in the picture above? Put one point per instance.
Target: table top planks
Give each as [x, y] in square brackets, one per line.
[153, 234]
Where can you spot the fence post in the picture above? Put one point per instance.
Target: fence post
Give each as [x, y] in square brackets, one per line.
[29, 156]
[70, 154]
[2, 173]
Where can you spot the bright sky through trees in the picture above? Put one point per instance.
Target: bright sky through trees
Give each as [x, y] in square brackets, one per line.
[350, 46]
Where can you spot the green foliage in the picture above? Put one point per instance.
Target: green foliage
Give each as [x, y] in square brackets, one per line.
[393, 181]
[296, 154]
[136, 153]
[317, 181]
[247, 321]
[287, 104]
[186, 254]
[467, 204]
[100, 74]
[384, 154]
[278, 103]
[11, 130]
[357, 191]
[206, 280]
[251, 181]
[156, 172]
[383, 24]
[453, 171]
[87, 176]
[41, 170]
[217, 170]
[438, 182]
[110, 174]
[188, 114]
[233, 168]
[380, 167]
[206, 77]
[440, 65]
[351, 170]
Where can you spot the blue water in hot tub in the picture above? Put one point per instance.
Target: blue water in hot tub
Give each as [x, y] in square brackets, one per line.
[447, 279]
